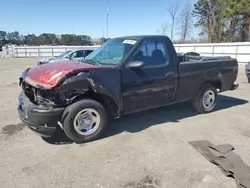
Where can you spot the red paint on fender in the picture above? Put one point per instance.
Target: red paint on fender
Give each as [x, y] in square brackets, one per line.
[48, 75]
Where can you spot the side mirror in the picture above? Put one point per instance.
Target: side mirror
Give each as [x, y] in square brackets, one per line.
[135, 64]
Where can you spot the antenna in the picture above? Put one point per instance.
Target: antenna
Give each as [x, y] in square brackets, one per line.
[107, 21]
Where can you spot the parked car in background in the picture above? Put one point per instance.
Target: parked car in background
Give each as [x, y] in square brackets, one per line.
[247, 68]
[123, 76]
[77, 54]
[1, 48]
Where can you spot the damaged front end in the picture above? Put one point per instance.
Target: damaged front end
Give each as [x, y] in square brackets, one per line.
[58, 96]
[56, 84]
[41, 108]
[49, 89]
[41, 119]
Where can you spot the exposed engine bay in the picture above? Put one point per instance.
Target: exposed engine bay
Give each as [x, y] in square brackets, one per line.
[74, 86]
[60, 96]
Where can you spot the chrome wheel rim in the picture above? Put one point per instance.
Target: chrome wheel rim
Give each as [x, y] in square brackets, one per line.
[208, 99]
[87, 121]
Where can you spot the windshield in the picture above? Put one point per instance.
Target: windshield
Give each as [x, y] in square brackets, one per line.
[112, 52]
[64, 53]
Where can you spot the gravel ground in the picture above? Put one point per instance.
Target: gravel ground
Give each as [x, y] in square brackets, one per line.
[144, 150]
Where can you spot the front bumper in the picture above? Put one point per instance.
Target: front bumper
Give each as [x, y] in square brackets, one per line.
[39, 119]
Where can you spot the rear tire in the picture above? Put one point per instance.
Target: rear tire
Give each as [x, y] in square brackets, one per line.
[205, 101]
[84, 121]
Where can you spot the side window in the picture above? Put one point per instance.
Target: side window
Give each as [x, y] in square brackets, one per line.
[87, 52]
[152, 53]
[73, 55]
[77, 54]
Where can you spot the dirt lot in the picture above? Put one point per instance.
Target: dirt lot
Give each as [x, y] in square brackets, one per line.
[144, 150]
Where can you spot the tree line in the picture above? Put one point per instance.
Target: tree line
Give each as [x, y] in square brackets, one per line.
[223, 20]
[47, 39]
[213, 20]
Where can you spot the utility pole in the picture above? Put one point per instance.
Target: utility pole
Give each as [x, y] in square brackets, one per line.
[103, 37]
[107, 17]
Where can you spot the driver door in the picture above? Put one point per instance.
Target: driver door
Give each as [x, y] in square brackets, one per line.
[153, 84]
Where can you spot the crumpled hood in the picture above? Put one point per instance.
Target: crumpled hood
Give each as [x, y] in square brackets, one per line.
[48, 75]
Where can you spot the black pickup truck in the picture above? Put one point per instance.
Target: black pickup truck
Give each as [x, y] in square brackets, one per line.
[124, 75]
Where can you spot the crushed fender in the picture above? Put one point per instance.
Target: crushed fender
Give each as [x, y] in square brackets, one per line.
[223, 156]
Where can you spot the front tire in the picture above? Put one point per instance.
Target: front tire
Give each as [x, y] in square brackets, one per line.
[84, 121]
[205, 101]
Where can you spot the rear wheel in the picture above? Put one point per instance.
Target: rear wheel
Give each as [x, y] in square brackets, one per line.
[84, 121]
[205, 101]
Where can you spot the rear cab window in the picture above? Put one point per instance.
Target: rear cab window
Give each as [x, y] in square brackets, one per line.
[153, 53]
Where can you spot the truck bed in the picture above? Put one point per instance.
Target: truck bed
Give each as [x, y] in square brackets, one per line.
[198, 70]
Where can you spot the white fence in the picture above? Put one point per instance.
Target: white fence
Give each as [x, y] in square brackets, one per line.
[241, 51]
[44, 51]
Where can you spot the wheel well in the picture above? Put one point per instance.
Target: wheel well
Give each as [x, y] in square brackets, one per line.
[215, 83]
[108, 103]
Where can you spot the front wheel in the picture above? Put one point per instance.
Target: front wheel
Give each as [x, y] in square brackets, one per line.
[84, 121]
[205, 101]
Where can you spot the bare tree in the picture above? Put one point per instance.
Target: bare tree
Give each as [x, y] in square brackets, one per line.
[173, 10]
[186, 20]
[163, 30]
